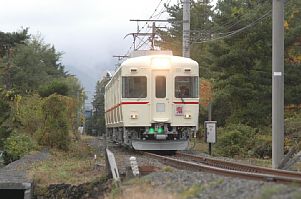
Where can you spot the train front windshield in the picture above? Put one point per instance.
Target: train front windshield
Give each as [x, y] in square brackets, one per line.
[134, 87]
[186, 87]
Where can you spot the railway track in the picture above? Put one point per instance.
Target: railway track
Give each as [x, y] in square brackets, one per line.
[226, 168]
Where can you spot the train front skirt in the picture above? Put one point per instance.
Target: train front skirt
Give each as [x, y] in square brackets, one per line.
[154, 145]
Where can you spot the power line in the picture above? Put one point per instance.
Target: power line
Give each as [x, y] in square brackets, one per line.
[128, 52]
[152, 16]
[157, 16]
[239, 30]
[225, 26]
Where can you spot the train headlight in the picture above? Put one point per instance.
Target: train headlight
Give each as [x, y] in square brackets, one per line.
[160, 130]
[187, 116]
[151, 130]
[134, 116]
[160, 63]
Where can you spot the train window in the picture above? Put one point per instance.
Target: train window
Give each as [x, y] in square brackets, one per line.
[186, 87]
[160, 86]
[134, 87]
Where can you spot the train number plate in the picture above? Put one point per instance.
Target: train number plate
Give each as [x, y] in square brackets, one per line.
[179, 110]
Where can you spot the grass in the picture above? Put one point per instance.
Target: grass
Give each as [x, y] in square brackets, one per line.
[167, 169]
[75, 166]
[192, 191]
[138, 191]
[268, 192]
[201, 146]
[196, 189]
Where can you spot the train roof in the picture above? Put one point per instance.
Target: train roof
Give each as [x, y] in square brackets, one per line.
[147, 61]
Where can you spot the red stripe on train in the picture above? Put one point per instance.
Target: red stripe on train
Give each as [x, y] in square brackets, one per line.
[134, 102]
[124, 103]
[186, 102]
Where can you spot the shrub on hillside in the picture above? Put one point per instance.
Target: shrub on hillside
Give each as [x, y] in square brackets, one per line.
[235, 140]
[16, 146]
[55, 131]
[30, 114]
[56, 86]
[263, 146]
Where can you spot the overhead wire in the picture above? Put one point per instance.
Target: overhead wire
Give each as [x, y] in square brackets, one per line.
[155, 10]
[238, 30]
[157, 16]
[225, 26]
[154, 15]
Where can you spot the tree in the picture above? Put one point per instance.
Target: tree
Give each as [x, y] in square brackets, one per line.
[53, 87]
[237, 54]
[201, 26]
[98, 105]
[242, 62]
[8, 42]
[292, 52]
[34, 64]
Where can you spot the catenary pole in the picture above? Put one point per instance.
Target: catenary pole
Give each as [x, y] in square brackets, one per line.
[186, 28]
[278, 83]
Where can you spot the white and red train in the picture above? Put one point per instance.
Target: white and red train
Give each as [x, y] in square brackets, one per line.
[152, 102]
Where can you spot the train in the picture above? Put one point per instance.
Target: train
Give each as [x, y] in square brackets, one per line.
[152, 102]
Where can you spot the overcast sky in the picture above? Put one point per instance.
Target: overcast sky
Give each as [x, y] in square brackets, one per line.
[89, 32]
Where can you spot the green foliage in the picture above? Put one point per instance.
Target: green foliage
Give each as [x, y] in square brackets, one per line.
[26, 63]
[262, 147]
[293, 126]
[98, 104]
[4, 109]
[239, 64]
[235, 140]
[270, 191]
[9, 40]
[30, 114]
[4, 134]
[56, 86]
[244, 141]
[30, 65]
[192, 191]
[55, 131]
[8, 122]
[16, 146]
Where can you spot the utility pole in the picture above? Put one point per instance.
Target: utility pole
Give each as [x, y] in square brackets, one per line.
[209, 119]
[78, 110]
[186, 28]
[278, 83]
[141, 34]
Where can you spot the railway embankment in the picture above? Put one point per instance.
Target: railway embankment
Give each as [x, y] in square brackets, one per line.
[169, 182]
[14, 182]
[77, 173]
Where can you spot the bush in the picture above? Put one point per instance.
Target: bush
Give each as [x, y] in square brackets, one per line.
[4, 134]
[263, 146]
[235, 140]
[16, 146]
[56, 86]
[55, 131]
[30, 114]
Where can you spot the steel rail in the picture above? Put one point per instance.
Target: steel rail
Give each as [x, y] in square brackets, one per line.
[239, 166]
[181, 164]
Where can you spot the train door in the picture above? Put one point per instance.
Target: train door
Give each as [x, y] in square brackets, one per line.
[161, 96]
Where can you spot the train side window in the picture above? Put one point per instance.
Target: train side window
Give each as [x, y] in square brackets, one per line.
[134, 87]
[186, 87]
[160, 87]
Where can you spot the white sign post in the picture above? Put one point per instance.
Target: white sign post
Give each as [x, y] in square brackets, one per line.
[113, 165]
[210, 133]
